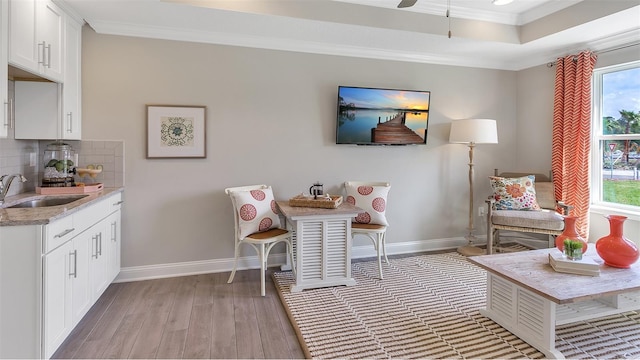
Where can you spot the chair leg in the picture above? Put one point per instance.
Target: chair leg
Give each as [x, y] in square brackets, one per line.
[293, 264]
[263, 261]
[384, 246]
[378, 246]
[235, 265]
[489, 239]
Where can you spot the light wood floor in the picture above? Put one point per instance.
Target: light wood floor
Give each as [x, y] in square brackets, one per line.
[198, 316]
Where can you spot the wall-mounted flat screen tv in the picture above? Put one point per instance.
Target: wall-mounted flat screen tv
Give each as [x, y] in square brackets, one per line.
[371, 116]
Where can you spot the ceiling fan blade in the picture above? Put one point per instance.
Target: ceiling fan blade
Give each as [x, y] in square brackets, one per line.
[406, 3]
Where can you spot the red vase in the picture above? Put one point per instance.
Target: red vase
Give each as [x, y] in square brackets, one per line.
[615, 249]
[570, 232]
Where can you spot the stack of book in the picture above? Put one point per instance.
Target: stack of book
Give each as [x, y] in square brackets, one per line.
[585, 266]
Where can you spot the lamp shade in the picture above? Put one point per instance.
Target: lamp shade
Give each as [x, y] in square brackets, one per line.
[474, 131]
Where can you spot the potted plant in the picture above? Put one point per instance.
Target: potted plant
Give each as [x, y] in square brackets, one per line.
[573, 249]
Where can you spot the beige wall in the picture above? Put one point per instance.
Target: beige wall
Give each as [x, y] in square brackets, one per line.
[271, 119]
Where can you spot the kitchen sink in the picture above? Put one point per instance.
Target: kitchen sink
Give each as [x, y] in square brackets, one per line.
[47, 201]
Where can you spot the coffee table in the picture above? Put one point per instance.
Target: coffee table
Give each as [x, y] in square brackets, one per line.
[528, 298]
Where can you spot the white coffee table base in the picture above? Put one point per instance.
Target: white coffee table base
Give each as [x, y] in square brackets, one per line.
[534, 318]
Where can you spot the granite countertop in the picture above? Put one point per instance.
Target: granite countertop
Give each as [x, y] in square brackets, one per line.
[45, 215]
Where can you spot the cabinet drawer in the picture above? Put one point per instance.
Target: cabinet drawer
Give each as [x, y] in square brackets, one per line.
[87, 217]
[115, 202]
[59, 232]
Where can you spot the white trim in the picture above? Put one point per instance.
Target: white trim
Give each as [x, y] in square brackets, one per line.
[631, 214]
[147, 272]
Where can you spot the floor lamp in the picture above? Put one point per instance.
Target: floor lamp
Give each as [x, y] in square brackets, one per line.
[472, 132]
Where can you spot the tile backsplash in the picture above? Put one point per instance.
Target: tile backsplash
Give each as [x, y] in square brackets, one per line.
[16, 156]
[15, 159]
[109, 154]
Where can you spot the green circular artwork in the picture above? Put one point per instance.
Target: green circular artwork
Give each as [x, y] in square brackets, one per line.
[177, 131]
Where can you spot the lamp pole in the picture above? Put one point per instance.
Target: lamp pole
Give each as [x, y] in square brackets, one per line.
[472, 132]
[470, 236]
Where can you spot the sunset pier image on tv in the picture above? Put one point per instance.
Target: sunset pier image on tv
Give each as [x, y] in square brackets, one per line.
[369, 116]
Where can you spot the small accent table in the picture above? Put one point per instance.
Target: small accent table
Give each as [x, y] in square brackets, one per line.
[528, 298]
[322, 244]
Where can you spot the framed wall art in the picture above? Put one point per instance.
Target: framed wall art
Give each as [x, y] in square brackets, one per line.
[175, 131]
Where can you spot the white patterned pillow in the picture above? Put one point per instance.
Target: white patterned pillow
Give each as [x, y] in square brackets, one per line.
[371, 199]
[514, 193]
[257, 211]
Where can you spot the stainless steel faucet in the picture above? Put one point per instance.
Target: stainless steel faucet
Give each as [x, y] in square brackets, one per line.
[5, 183]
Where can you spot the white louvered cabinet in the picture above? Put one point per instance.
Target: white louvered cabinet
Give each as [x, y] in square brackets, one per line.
[322, 245]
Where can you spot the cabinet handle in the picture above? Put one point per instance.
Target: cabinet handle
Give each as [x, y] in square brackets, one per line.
[113, 231]
[48, 56]
[94, 254]
[70, 120]
[100, 240]
[118, 203]
[6, 114]
[12, 114]
[64, 233]
[75, 263]
[41, 53]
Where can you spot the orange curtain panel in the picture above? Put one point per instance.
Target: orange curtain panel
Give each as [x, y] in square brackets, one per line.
[571, 142]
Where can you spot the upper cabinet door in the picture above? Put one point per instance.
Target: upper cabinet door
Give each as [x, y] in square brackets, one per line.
[35, 37]
[50, 22]
[23, 48]
[71, 102]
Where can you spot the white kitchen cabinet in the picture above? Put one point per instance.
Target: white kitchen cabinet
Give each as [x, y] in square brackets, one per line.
[36, 110]
[115, 243]
[98, 268]
[71, 95]
[36, 37]
[81, 294]
[51, 275]
[48, 110]
[57, 295]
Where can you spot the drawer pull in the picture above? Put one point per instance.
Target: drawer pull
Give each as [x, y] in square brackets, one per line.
[118, 203]
[43, 44]
[75, 263]
[48, 64]
[94, 253]
[64, 233]
[114, 228]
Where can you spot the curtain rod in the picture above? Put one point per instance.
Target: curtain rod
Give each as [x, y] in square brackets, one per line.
[551, 64]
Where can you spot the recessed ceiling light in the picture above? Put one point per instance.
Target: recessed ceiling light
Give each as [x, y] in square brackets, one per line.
[501, 2]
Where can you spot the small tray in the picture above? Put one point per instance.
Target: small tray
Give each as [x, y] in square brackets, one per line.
[322, 202]
[70, 189]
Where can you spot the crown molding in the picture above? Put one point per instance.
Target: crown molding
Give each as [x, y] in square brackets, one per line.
[272, 43]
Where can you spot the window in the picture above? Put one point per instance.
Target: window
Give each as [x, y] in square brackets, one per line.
[616, 135]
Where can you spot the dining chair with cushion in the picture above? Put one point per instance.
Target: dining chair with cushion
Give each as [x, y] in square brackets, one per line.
[257, 223]
[372, 223]
[523, 202]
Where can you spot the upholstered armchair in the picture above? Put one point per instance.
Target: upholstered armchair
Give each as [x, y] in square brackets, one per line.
[523, 202]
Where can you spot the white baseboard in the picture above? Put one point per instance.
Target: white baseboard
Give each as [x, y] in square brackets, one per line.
[136, 273]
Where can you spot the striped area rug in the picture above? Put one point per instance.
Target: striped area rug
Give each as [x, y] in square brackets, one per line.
[427, 306]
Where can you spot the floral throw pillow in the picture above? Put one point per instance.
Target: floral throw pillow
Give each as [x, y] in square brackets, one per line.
[257, 211]
[371, 199]
[514, 193]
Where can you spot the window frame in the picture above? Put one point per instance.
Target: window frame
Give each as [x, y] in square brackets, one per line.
[598, 205]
